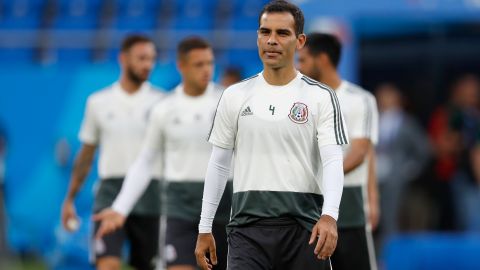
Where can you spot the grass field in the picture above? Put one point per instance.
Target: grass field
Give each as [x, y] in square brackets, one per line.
[30, 263]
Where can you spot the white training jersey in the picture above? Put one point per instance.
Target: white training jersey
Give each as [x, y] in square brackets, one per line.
[116, 121]
[179, 129]
[276, 132]
[359, 108]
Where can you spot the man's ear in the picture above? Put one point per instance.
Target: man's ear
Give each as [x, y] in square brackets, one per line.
[323, 59]
[301, 39]
[180, 64]
[122, 58]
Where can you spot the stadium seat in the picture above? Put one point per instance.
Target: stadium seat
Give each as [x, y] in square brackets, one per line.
[136, 14]
[194, 15]
[18, 55]
[21, 14]
[77, 14]
[74, 55]
[246, 14]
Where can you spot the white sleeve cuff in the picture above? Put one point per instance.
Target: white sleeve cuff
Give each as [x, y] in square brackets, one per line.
[332, 179]
[216, 177]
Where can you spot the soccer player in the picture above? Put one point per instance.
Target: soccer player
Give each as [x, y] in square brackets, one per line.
[115, 121]
[231, 75]
[282, 128]
[319, 59]
[177, 133]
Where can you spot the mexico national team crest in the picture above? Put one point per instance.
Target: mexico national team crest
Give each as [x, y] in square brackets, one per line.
[299, 113]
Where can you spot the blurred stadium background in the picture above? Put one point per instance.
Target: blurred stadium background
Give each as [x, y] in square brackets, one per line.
[54, 53]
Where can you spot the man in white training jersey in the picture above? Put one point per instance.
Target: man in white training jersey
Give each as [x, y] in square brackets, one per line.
[177, 133]
[281, 128]
[115, 121]
[319, 59]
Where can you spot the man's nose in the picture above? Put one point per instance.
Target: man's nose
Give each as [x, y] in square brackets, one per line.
[272, 40]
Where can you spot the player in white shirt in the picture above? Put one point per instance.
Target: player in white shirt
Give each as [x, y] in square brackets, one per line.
[115, 121]
[177, 133]
[319, 59]
[281, 128]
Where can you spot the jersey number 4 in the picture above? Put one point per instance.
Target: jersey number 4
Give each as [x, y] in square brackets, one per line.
[272, 109]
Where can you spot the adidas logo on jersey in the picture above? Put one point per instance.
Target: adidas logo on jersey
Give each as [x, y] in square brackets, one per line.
[247, 111]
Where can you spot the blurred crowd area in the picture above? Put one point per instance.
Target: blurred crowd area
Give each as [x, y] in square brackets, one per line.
[429, 173]
[419, 58]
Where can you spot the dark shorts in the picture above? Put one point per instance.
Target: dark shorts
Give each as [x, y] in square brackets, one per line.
[181, 239]
[142, 232]
[354, 250]
[277, 244]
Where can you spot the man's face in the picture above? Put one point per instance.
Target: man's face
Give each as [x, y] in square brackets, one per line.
[196, 67]
[277, 41]
[388, 98]
[307, 64]
[139, 61]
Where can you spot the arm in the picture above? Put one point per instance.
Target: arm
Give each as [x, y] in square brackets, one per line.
[357, 154]
[372, 190]
[135, 183]
[215, 181]
[332, 187]
[82, 166]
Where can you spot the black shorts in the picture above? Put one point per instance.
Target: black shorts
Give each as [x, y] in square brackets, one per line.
[354, 250]
[181, 240]
[142, 232]
[278, 244]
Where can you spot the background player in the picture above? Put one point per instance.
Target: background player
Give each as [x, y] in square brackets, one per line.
[115, 121]
[319, 59]
[177, 132]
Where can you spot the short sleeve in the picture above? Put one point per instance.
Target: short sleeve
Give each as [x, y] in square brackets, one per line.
[331, 128]
[373, 127]
[363, 121]
[224, 126]
[90, 130]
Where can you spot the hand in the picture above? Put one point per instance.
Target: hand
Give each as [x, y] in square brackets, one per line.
[109, 222]
[373, 214]
[326, 231]
[68, 213]
[206, 244]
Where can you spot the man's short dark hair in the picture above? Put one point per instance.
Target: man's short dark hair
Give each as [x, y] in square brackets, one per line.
[234, 72]
[131, 40]
[189, 44]
[318, 43]
[284, 6]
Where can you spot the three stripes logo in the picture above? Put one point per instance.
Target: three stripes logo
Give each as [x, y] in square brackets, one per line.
[247, 111]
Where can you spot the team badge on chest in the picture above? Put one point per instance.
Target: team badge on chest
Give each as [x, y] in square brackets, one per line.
[299, 113]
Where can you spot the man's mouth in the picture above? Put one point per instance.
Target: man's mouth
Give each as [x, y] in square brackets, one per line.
[272, 53]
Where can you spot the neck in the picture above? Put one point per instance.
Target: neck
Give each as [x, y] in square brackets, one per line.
[192, 90]
[128, 85]
[332, 79]
[280, 76]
